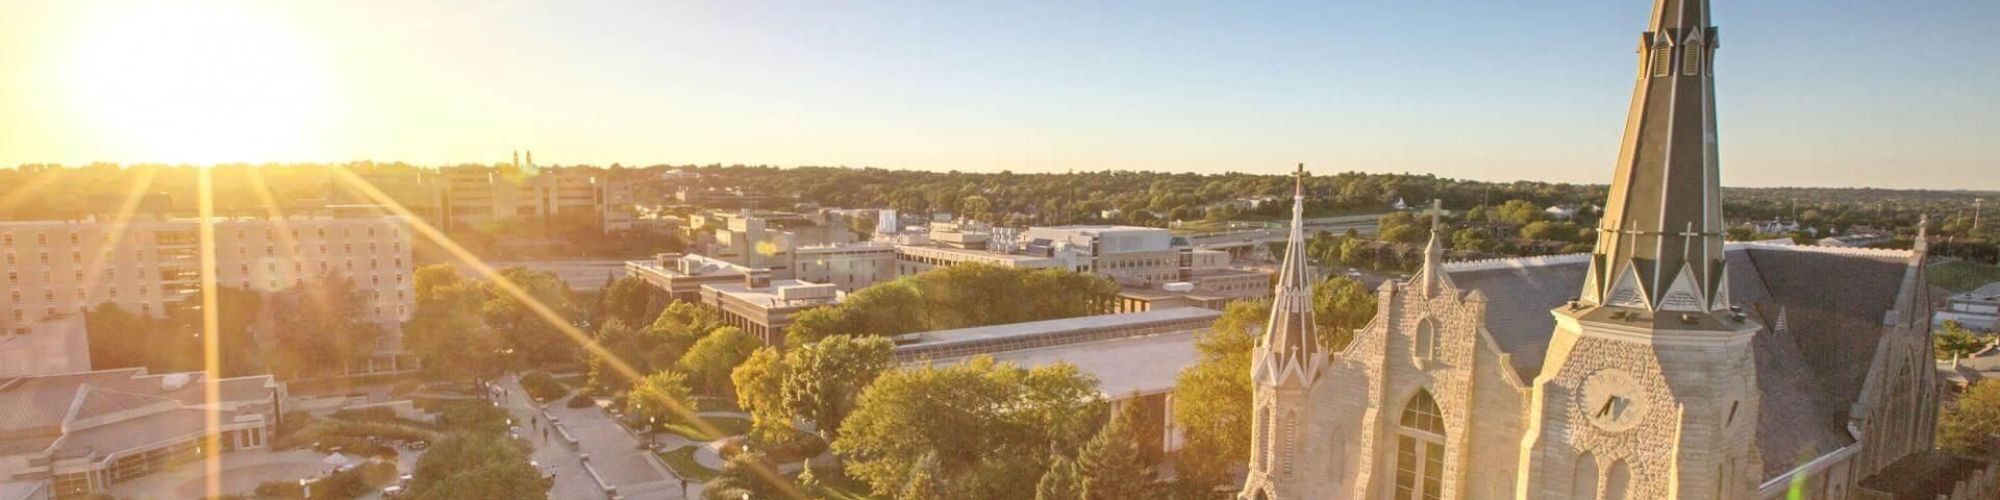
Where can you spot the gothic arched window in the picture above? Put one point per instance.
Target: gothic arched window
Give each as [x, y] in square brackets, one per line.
[1420, 450]
[1583, 481]
[1263, 436]
[1617, 480]
[1287, 440]
[1426, 342]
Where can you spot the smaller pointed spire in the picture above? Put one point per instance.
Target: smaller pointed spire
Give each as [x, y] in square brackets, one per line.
[1290, 352]
[1432, 275]
[1923, 243]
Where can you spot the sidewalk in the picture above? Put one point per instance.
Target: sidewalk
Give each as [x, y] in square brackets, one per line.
[615, 454]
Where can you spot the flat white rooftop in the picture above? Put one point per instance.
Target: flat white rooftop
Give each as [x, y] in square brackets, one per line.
[1032, 328]
[1142, 365]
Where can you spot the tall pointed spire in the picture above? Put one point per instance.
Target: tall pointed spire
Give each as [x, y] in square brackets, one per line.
[1659, 246]
[1431, 278]
[1289, 351]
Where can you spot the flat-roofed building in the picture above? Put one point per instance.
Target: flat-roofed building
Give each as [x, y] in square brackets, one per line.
[56, 344]
[84, 432]
[475, 195]
[763, 307]
[912, 259]
[848, 267]
[682, 276]
[64, 267]
[1134, 357]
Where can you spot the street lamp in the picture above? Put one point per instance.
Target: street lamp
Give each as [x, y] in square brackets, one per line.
[652, 433]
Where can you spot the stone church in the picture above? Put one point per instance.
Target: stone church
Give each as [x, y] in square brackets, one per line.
[1664, 364]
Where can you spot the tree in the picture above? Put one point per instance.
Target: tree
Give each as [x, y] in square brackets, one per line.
[714, 356]
[823, 380]
[629, 299]
[323, 330]
[1063, 481]
[1518, 212]
[978, 428]
[1212, 398]
[447, 332]
[1548, 231]
[760, 383]
[1956, 342]
[661, 397]
[1340, 305]
[1356, 253]
[862, 227]
[532, 337]
[1112, 466]
[1969, 425]
[976, 207]
[743, 476]
[477, 465]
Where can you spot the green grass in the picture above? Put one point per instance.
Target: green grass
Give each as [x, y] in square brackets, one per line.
[1962, 276]
[727, 426]
[573, 381]
[682, 462]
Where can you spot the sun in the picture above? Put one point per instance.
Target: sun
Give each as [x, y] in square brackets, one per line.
[198, 82]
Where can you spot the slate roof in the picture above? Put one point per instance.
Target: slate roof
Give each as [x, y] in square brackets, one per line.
[1809, 375]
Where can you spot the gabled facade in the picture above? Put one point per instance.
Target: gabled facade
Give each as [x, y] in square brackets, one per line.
[1682, 368]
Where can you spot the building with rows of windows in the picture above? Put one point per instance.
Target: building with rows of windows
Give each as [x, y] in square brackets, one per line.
[56, 268]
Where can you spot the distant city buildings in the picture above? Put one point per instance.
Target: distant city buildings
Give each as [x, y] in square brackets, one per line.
[477, 195]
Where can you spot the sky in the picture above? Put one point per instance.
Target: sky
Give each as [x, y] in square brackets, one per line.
[1812, 92]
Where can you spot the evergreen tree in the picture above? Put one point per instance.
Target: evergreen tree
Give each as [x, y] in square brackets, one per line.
[1111, 465]
[1061, 482]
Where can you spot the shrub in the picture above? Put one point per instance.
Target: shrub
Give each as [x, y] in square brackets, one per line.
[580, 401]
[542, 386]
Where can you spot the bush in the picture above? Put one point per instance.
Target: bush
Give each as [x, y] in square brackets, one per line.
[542, 386]
[580, 401]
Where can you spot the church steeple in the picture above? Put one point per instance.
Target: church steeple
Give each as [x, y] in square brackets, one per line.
[1289, 352]
[1659, 245]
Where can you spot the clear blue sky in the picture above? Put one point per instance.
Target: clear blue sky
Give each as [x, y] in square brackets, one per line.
[1821, 92]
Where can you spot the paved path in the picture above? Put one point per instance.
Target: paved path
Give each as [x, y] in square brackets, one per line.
[615, 453]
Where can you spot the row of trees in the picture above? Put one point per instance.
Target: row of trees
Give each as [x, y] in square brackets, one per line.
[322, 331]
[958, 296]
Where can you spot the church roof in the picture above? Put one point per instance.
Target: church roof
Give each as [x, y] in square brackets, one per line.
[1810, 374]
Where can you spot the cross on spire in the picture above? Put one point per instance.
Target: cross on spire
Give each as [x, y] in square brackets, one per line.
[1667, 177]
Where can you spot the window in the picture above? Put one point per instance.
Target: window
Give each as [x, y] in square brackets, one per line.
[1420, 450]
[1617, 480]
[1583, 481]
[1663, 60]
[1262, 434]
[1289, 436]
[1426, 342]
[1691, 62]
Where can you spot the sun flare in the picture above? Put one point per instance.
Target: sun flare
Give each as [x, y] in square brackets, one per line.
[203, 83]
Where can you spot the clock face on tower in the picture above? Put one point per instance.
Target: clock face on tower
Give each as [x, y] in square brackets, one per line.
[1613, 400]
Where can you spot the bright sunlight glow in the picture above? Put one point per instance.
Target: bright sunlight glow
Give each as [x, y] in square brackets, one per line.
[198, 83]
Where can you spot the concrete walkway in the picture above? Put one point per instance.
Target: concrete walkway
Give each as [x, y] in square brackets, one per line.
[616, 457]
